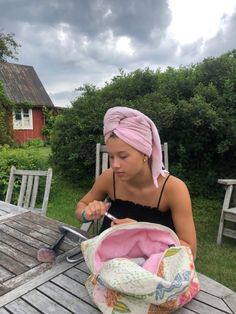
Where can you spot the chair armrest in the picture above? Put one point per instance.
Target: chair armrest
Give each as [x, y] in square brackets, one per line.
[227, 181]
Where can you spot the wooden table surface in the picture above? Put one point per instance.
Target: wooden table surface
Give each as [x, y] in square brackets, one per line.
[28, 286]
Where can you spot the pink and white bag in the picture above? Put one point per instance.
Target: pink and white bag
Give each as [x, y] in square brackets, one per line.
[139, 268]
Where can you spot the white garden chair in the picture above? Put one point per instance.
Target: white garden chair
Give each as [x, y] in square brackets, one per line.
[29, 181]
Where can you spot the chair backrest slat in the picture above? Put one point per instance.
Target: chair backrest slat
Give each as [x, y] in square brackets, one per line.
[22, 191]
[164, 148]
[47, 191]
[10, 185]
[34, 192]
[28, 191]
[29, 184]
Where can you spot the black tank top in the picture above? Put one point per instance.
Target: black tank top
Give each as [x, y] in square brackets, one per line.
[127, 209]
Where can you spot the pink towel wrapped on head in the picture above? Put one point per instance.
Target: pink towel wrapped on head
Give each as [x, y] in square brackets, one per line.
[137, 130]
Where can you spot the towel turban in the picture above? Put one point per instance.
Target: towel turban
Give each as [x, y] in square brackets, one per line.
[137, 130]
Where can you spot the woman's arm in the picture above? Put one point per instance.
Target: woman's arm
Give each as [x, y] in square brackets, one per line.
[92, 205]
[181, 208]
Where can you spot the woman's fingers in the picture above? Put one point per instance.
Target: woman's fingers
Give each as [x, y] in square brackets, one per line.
[95, 210]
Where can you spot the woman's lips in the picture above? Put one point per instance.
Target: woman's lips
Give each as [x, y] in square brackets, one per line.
[120, 173]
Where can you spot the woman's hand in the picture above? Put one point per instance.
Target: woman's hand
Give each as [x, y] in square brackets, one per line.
[95, 210]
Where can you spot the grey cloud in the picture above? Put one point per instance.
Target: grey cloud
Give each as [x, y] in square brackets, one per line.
[74, 42]
[224, 40]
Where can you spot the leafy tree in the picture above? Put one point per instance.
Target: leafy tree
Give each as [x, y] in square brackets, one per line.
[8, 46]
[8, 49]
[5, 122]
[50, 117]
[193, 107]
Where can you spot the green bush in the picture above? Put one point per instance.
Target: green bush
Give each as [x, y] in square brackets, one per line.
[31, 158]
[36, 142]
[193, 107]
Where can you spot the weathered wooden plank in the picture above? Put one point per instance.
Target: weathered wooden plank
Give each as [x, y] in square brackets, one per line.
[12, 265]
[18, 255]
[3, 311]
[77, 274]
[227, 181]
[15, 243]
[31, 172]
[5, 274]
[22, 237]
[82, 266]
[37, 227]
[43, 303]
[3, 290]
[22, 191]
[44, 272]
[28, 191]
[199, 307]
[66, 299]
[10, 208]
[3, 212]
[7, 207]
[41, 220]
[231, 301]
[72, 287]
[30, 232]
[40, 232]
[212, 300]
[215, 288]
[34, 192]
[7, 217]
[230, 232]
[26, 276]
[19, 306]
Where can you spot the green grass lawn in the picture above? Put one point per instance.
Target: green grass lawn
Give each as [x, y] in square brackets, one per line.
[63, 200]
[217, 262]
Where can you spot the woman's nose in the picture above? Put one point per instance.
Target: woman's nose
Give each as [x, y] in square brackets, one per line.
[115, 163]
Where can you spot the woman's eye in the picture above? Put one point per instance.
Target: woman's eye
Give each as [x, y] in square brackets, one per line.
[123, 157]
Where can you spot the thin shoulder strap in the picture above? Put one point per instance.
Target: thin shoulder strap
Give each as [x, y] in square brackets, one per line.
[162, 191]
[114, 186]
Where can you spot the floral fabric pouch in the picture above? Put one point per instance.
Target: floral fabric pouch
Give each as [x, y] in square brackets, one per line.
[139, 268]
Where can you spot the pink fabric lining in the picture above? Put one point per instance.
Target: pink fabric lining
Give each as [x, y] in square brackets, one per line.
[148, 244]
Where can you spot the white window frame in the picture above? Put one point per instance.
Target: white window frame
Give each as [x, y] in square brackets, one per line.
[25, 123]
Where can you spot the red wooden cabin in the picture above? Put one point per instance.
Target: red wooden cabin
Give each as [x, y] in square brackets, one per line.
[22, 84]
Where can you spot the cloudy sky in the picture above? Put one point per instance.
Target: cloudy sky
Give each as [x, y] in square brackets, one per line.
[75, 42]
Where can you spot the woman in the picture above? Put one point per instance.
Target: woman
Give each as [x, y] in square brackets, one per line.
[137, 185]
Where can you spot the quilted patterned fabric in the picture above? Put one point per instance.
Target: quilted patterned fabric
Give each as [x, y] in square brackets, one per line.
[139, 268]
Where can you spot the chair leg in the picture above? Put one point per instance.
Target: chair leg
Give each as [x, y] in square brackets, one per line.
[226, 203]
[220, 229]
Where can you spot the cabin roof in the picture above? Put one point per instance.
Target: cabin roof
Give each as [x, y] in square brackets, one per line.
[22, 83]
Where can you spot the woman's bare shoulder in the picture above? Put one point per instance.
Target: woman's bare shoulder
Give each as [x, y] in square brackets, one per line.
[175, 183]
[105, 179]
[106, 175]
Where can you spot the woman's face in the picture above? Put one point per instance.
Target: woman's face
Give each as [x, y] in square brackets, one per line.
[125, 160]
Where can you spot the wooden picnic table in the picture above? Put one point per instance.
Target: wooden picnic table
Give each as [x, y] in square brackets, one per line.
[29, 286]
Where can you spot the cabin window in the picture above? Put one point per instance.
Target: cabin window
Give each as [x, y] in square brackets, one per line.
[22, 119]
